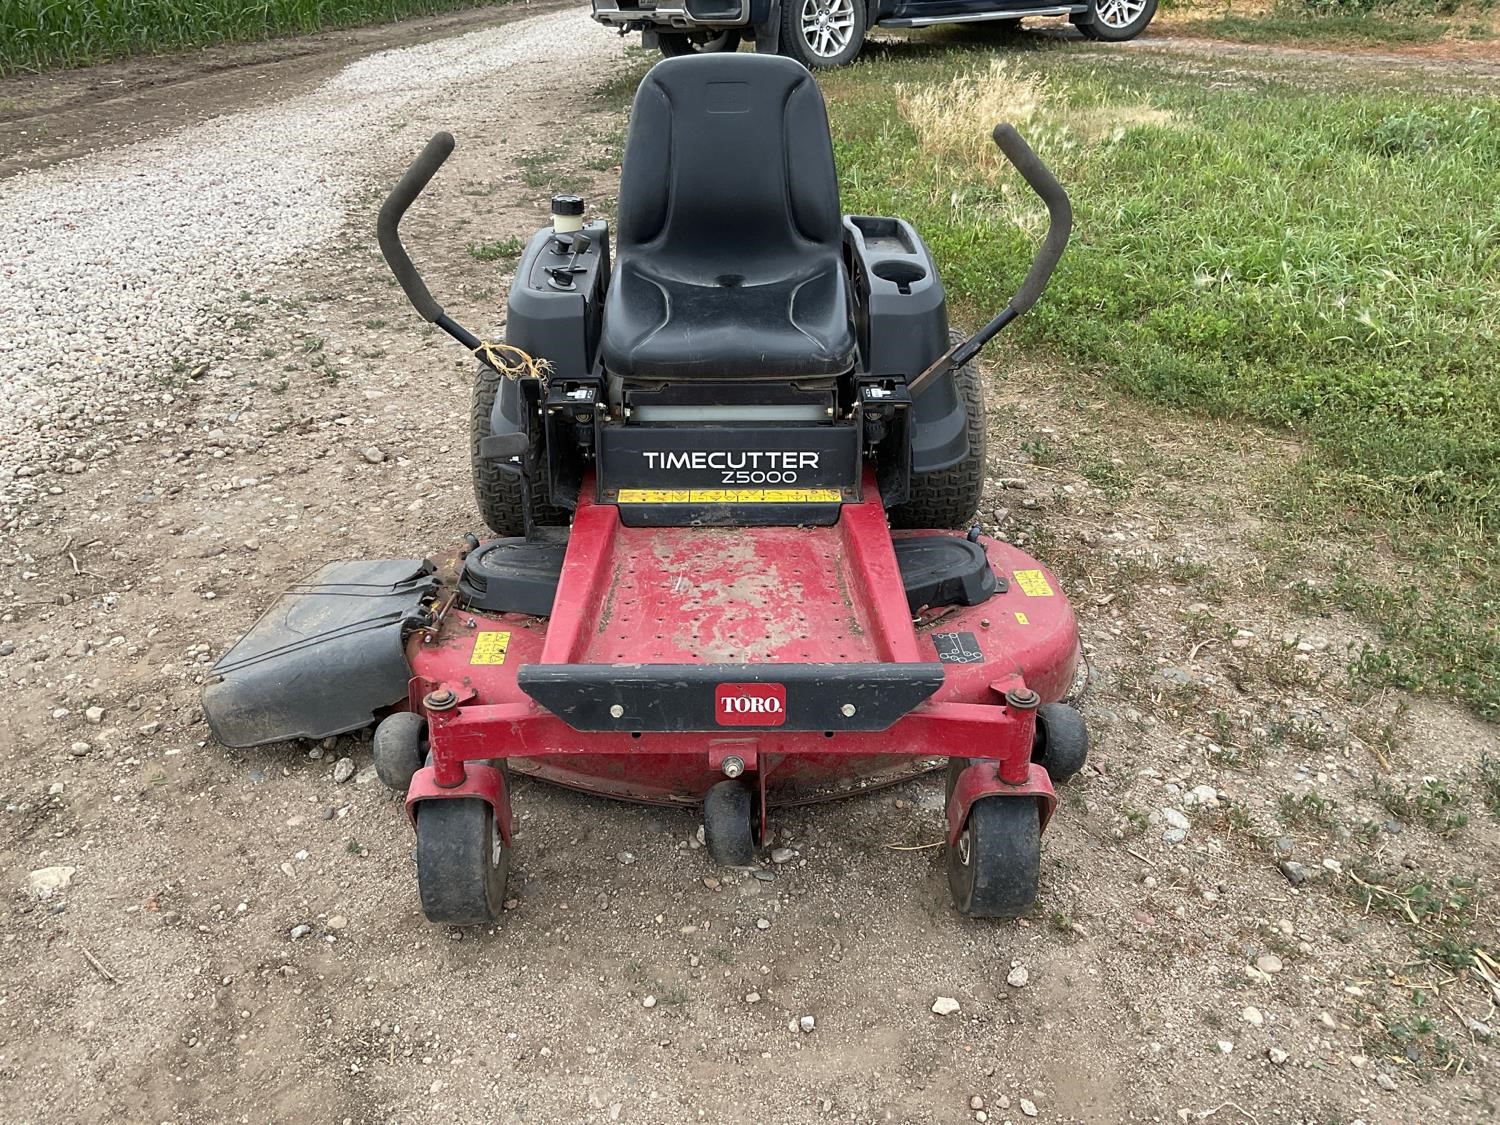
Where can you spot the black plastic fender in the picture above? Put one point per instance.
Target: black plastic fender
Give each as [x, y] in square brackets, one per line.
[508, 419]
[765, 26]
[939, 427]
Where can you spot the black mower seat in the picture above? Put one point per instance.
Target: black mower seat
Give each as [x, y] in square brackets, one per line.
[729, 242]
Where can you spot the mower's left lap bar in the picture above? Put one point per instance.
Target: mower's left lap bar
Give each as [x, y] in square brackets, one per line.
[325, 657]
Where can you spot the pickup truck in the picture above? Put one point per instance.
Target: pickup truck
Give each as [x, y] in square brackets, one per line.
[824, 33]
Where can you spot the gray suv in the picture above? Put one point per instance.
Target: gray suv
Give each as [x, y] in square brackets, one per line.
[823, 33]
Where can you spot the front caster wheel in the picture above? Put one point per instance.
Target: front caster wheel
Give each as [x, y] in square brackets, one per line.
[727, 829]
[462, 863]
[1062, 741]
[996, 865]
[400, 746]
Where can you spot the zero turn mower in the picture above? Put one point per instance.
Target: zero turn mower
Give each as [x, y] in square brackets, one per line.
[692, 450]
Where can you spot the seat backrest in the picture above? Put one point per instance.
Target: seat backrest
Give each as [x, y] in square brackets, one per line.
[728, 169]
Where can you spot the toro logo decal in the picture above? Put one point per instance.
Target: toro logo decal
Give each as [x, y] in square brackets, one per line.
[750, 705]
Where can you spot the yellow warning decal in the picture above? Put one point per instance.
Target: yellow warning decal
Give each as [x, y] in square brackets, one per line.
[1022, 619]
[1033, 584]
[730, 496]
[490, 648]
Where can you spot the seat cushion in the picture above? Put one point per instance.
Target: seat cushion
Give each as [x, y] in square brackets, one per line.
[729, 251]
[796, 326]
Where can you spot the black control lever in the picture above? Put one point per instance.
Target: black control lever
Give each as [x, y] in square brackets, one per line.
[562, 276]
[1059, 226]
[417, 177]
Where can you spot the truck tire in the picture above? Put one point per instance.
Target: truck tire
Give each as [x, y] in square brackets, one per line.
[498, 494]
[1114, 21]
[822, 33]
[948, 498]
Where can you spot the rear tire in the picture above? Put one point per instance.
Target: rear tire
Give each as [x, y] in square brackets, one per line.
[675, 44]
[949, 497]
[462, 864]
[1114, 21]
[822, 33]
[995, 868]
[498, 494]
[728, 832]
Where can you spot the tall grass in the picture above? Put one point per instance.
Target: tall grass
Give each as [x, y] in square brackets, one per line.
[1326, 259]
[39, 34]
[1375, 23]
[1410, 9]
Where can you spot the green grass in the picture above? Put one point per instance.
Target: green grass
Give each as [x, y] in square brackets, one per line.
[1359, 23]
[1291, 27]
[539, 168]
[1312, 809]
[1432, 803]
[1489, 783]
[548, 169]
[37, 35]
[499, 250]
[1450, 901]
[1323, 257]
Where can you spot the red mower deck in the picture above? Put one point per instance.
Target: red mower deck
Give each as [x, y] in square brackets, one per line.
[754, 605]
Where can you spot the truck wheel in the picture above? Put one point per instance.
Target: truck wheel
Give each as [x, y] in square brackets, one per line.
[497, 493]
[822, 33]
[1114, 21]
[948, 497]
[674, 44]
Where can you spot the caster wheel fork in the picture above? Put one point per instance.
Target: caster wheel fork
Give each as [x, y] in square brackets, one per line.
[994, 867]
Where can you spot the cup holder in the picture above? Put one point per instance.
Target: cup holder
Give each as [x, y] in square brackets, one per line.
[903, 275]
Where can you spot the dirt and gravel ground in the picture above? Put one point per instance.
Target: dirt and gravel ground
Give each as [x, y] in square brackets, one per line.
[155, 493]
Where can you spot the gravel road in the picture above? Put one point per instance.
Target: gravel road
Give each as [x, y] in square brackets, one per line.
[116, 269]
[211, 385]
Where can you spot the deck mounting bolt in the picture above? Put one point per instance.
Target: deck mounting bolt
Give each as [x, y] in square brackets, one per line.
[443, 699]
[1023, 700]
[733, 766]
[616, 711]
[847, 710]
